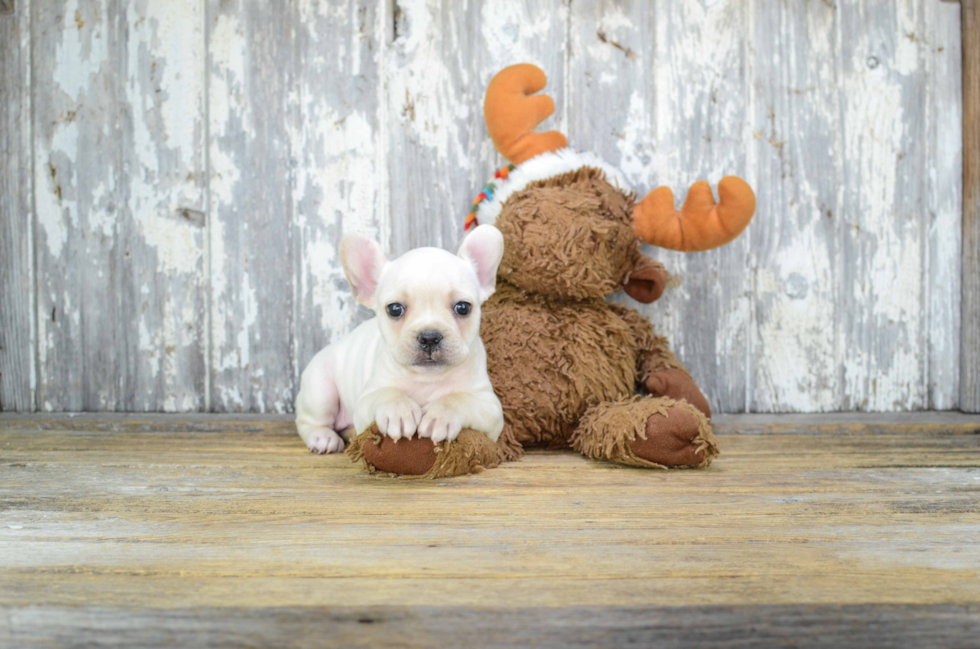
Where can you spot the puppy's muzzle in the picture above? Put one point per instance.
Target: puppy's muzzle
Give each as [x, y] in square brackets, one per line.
[429, 340]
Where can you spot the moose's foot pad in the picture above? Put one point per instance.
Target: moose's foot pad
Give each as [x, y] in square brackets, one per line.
[418, 457]
[654, 432]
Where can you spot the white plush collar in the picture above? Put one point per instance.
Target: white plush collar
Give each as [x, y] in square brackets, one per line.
[546, 165]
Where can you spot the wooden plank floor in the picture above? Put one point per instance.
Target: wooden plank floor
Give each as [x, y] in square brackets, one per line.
[807, 531]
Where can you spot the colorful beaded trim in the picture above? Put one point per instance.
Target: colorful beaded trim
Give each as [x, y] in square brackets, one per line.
[486, 195]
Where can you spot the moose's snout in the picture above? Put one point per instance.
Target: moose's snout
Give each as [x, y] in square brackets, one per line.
[429, 340]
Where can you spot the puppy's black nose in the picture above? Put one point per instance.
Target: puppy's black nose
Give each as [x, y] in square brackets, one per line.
[429, 339]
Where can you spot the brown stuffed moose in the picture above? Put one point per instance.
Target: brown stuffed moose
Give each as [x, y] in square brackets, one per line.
[571, 369]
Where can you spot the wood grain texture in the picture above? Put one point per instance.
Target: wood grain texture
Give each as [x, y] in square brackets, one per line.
[150, 533]
[702, 109]
[942, 280]
[339, 171]
[161, 237]
[65, 258]
[17, 378]
[118, 125]
[882, 232]
[195, 163]
[847, 423]
[81, 213]
[251, 84]
[438, 65]
[804, 626]
[970, 345]
[796, 147]
[659, 90]
[814, 308]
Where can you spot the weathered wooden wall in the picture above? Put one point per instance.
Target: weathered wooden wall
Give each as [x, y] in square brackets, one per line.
[970, 335]
[176, 176]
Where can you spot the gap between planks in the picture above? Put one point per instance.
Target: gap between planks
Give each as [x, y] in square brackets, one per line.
[950, 422]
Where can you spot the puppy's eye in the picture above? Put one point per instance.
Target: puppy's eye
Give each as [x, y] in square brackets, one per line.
[395, 310]
[463, 308]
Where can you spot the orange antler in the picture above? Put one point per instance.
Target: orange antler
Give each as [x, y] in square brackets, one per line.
[512, 114]
[701, 224]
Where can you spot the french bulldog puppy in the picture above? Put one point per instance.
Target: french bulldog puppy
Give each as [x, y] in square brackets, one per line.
[417, 367]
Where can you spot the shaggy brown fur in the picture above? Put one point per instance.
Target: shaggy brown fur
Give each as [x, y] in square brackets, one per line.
[654, 354]
[568, 237]
[648, 432]
[549, 360]
[564, 362]
[555, 347]
[471, 452]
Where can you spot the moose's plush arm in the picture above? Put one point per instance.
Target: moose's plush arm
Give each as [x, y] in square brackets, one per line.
[657, 369]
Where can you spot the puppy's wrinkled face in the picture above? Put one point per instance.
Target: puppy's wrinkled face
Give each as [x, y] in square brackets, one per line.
[429, 308]
[428, 300]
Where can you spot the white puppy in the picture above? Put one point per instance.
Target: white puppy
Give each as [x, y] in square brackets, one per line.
[419, 365]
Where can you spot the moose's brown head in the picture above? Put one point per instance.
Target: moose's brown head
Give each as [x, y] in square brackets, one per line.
[571, 228]
[570, 236]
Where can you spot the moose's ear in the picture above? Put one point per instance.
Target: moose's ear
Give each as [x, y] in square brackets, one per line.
[647, 280]
[484, 248]
[363, 261]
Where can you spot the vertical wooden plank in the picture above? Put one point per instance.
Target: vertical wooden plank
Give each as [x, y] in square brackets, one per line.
[312, 111]
[944, 215]
[970, 346]
[702, 135]
[118, 122]
[16, 220]
[881, 334]
[338, 183]
[796, 131]
[162, 228]
[612, 87]
[659, 90]
[77, 175]
[250, 77]
[442, 57]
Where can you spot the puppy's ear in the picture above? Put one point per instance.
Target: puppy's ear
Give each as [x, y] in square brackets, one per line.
[483, 248]
[363, 260]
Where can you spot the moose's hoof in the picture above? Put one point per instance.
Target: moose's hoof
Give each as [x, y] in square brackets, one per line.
[412, 456]
[674, 439]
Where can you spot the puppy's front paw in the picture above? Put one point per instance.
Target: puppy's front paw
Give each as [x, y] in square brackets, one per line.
[440, 422]
[399, 418]
[325, 441]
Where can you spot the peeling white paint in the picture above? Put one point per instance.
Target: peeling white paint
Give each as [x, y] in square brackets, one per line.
[881, 368]
[943, 59]
[81, 53]
[387, 138]
[418, 95]
[227, 39]
[231, 397]
[219, 290]
[177, 244]
[149, 346]
[637, 158]
[697, 107]
[513, 34]
[54, 195]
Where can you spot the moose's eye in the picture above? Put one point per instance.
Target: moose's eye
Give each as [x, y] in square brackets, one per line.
[463, 308]
[395, 310]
